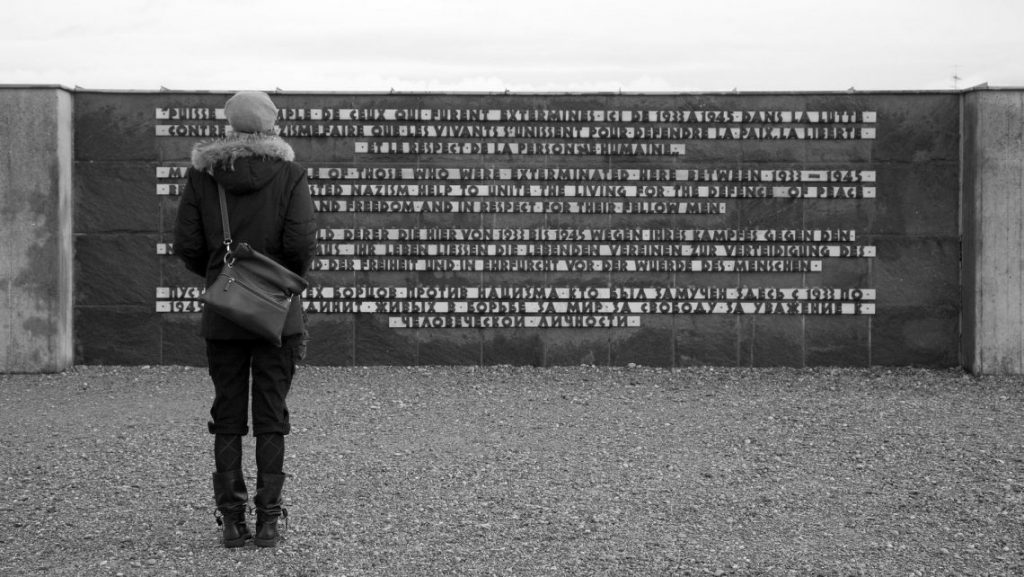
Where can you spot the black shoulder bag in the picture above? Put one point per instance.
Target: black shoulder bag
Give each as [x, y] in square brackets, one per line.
[252, 290]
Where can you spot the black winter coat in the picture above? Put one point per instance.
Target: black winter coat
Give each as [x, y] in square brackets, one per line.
[269, 207]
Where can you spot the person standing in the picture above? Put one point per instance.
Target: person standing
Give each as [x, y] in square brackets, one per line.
[270, 208]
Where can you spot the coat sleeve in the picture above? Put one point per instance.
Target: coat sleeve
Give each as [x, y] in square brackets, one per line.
[299, 238]
[189, 239]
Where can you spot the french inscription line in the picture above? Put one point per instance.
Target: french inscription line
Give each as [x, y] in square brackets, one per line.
[710, 134]
[534, 148]
[569, 132]
[445, 131]
[542, 115]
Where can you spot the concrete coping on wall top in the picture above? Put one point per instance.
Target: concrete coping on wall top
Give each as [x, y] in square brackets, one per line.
[80, 89]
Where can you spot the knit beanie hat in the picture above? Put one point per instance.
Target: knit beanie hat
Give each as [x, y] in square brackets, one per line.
[251, 111]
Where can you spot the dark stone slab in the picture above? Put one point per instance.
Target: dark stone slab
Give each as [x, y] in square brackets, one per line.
[771, 341]
[519, 347]
[117, 335]
[702, 340]
[448, 346]
[843, 272]
[916, 200]
[916, 336]
[116, 269]
[840, 341]
[114, 127]
[331, 340]
[771, 213]
[174, 274]
[911, 272]
[649, 346]
[377, 344]
[115, 197]
[569, 347]
[854, 154]
[917, 128]
[181, 343]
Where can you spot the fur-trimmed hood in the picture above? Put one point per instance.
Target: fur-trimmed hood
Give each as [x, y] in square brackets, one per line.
[242, 163]
[222, 153]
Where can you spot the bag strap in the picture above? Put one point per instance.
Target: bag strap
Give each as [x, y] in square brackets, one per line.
[224, 216]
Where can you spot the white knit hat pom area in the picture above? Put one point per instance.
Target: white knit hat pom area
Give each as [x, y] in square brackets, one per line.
[251, 112]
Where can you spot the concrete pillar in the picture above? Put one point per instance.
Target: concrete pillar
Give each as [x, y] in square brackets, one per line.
[993, 231]
[35, 229]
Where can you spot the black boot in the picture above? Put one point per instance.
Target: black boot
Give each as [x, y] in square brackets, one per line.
[231, 496]
[268, 508]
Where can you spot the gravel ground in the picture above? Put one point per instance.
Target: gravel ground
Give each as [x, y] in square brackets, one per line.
[528, 471]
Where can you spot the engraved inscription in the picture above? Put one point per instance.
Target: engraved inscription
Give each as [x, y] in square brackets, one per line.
[486, 197]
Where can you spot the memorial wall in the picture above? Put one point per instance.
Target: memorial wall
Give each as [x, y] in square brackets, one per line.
[556, 229]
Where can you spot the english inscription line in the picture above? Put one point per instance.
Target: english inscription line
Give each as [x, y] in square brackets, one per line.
[521, 207]
[591, 175]
[592, 191]
[734, 191]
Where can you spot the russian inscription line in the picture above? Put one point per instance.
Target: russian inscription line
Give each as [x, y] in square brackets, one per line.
[557, 293]
[462, 300]
[450, 306]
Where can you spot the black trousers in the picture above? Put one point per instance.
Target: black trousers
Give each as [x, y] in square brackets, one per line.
[239, 367]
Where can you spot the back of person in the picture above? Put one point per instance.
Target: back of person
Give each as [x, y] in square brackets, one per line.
[270, 208]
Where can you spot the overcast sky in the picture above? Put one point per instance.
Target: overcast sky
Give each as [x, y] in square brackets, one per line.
[516, 45]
